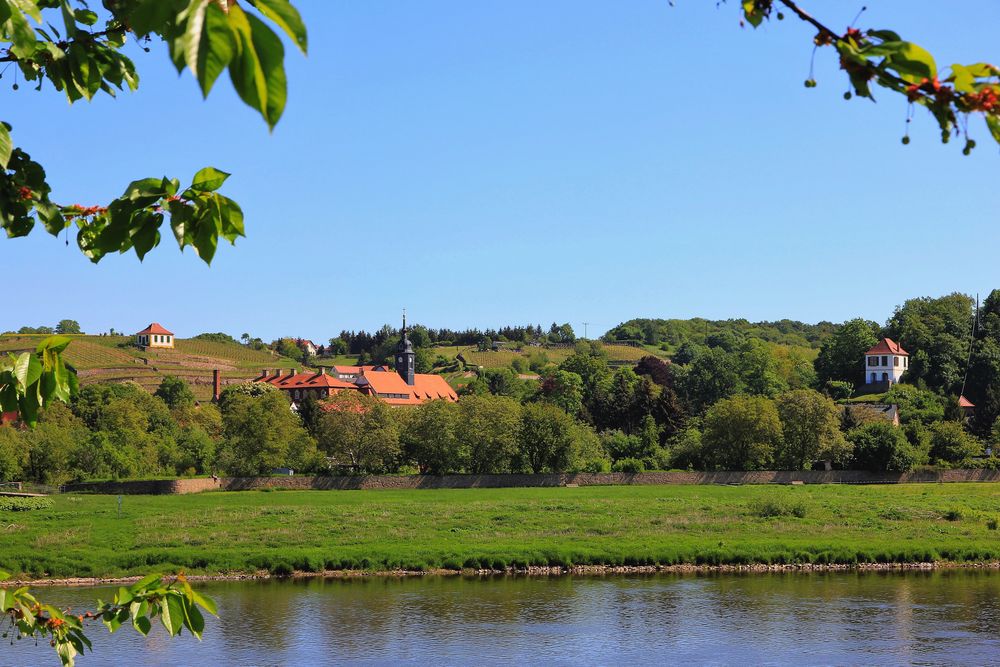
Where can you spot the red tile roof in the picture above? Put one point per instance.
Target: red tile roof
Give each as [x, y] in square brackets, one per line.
[425, 387]
[963, 402]
[888, 346]
[154, 328]
[305, 381]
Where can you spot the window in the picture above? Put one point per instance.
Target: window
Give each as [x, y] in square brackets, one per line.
[873, 361]
[885, 361]
[885, 377]
[906, 362]
[873, 379]
[895, 361]
[296, 394]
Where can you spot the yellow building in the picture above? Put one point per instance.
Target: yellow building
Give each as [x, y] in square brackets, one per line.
[154, 336]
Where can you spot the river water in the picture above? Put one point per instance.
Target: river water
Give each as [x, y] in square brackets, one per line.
[950, 617]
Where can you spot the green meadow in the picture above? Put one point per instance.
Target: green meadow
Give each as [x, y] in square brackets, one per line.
[285, 531]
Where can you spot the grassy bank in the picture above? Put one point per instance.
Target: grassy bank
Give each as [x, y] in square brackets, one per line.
[82, 536]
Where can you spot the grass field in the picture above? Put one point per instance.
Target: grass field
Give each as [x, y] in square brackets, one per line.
[279, 531]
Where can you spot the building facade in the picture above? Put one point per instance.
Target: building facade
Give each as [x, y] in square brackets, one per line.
[886, 362]
[154, 336]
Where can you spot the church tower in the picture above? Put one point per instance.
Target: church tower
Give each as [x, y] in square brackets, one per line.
[405, 356]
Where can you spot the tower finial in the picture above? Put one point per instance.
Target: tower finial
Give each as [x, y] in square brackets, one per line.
[404, 320]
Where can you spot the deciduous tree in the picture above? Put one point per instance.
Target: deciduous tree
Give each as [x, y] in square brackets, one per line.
[741, 433]
[810, 425]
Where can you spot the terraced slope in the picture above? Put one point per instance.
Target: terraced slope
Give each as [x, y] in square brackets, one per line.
[116, 359]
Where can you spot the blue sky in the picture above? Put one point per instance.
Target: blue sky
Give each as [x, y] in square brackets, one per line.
[483, 163]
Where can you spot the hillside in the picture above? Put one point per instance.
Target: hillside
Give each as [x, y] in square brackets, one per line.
[670, 334]
[116, 359]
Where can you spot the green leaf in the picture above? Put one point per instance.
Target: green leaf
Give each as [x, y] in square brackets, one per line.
[124, 596]
[66, 652]
[209, 179]
[885, 35]
[962, 78]
[217, 47]
[194, 16]
[271, 55]
[993, 123]
[150, 15]
[143, 583]
[85, 16]
[912, 62]
[54, 344]
[6, 146]
[753, 16]
[172, 614]
[207, 603]
[21, 34]
[257, 71]
[287, 17]
[193, 620]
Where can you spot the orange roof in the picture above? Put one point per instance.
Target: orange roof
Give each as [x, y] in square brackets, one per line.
[963, 402]
[888, 346]
[305, 381]
[154, 328]
[425, 387]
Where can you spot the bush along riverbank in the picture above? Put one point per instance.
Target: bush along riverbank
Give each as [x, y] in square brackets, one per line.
[281, 532]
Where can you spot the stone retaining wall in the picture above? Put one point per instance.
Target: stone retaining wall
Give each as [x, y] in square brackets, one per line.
[176, 486]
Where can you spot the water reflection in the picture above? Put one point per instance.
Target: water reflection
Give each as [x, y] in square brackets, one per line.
[819, 618]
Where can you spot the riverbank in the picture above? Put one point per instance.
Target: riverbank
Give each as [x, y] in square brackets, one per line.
[539, 530]
[581, 570]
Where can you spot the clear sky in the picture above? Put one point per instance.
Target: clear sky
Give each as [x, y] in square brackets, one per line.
[516, 161]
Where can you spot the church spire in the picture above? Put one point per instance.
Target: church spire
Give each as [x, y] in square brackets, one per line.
[405, 357]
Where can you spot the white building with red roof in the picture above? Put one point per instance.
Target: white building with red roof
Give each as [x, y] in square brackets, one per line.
[154, 336]
[886, 362]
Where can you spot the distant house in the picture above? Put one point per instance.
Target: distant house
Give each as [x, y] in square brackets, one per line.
[155, 336]
[885, 363]
[967, 406]
[402, 386]
[307, 346]
[859, 411]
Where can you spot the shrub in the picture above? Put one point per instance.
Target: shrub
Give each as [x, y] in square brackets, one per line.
[991, 524]
[953, 515]
[775, 507]
[629, 466]
[597, 466]
[19, 504]
[881, 447]
[838, 390]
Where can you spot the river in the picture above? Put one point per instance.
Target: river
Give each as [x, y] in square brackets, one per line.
[950, 617]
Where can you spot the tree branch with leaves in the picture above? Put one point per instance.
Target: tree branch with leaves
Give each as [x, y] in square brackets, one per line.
[176, 604]
[206, 37]
[883, 58]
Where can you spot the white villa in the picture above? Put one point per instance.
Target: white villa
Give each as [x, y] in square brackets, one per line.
[886, 362]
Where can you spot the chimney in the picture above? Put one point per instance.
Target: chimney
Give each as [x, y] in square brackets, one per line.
[291, 372]
[216, 384]
[264, 372]
[322, 370]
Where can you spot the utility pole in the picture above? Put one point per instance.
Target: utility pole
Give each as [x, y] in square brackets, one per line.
[585, 325]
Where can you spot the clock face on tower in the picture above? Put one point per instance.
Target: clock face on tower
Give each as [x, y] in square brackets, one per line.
[399, 360]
